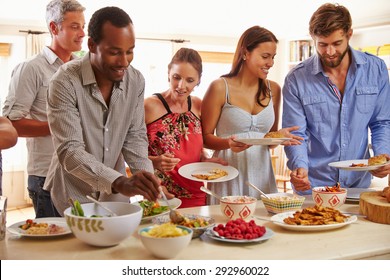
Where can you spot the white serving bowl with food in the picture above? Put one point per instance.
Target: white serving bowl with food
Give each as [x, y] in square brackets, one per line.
[165, 241]
[325, 198]
[104, 230]
[199, 224]
[238, 206]
[282, 202]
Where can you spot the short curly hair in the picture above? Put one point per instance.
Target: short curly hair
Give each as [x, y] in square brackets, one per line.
[114, 15]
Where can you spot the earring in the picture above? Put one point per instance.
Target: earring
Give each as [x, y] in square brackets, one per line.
[244, 57]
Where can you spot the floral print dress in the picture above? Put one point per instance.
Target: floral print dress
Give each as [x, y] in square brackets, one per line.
[179, 134]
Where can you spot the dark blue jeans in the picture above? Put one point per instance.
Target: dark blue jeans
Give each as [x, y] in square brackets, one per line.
[41, 199]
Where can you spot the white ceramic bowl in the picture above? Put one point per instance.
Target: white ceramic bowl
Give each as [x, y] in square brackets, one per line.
[104, 231]
[165, 247]
[234, 207]
[197, 231]
[282, 202]
[329, 199]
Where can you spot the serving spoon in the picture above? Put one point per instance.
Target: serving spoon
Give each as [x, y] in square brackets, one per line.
[174, 215]
[210, 193]
[101, 205]
[257, 189]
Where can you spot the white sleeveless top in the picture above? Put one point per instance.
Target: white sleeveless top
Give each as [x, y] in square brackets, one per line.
[254, 164]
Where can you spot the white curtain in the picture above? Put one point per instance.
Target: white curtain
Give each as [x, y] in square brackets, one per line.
[34, 43]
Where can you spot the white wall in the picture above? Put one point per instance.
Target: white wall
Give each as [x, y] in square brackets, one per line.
[374, 36]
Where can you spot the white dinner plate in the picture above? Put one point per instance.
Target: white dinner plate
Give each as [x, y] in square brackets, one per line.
[174, 202]
[346, 165]
[15, 229]
[204, 168]
[278, 220]
[262, 141]
[267, 235]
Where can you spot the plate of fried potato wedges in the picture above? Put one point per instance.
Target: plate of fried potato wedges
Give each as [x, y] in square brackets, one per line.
[314, 218]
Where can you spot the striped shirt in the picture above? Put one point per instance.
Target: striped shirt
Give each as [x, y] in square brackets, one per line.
[90, 137]
[27, 99]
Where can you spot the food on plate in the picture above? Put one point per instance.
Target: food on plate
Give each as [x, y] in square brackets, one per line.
[195, 222]
[316, 215]
[33, 228]
[165, 230]
[377, 160]
[212, 175]
[151, 208]
[386, 193]
[358, 165]
[239, 229]
[274, 134]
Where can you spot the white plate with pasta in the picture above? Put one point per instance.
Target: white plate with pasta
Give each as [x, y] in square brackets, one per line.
[44, 227]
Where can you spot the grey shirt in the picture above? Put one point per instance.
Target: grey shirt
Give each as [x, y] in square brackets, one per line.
[89, 136]
[27, 99]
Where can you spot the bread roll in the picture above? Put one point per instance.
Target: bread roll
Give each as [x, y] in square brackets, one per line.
[385, 191]
[377, 160]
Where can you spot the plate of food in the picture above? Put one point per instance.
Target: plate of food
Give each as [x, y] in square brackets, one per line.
[40, 227]
[313, 219]
[154, 209]
[199, 224]
[211, 233]
[262, 141]
[361, 164]
[208, 172]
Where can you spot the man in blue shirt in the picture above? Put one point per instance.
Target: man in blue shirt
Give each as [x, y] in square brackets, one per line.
[336, 97]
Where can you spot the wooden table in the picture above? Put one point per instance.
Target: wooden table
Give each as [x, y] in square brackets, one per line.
[360, 240]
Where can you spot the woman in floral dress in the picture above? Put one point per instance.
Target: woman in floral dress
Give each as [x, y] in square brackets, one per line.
[174, 128]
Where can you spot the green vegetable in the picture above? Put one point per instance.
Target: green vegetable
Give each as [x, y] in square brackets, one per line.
[151, 208]
[78, 208]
